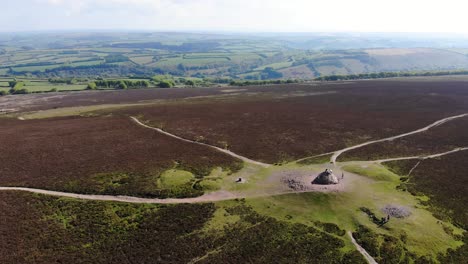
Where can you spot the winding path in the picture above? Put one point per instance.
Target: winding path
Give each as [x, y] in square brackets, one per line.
[245, 159]
[423, 157]
[435, 124]
[361, 250]
[216, 196]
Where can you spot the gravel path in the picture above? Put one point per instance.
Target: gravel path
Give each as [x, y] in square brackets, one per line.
[437, 123]
[423, 157]
[206, 198]
[210, 197]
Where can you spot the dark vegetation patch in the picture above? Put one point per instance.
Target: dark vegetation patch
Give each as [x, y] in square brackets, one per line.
[403, 168]
[445, 137]
[276, 130]
[40, 229]
[44, 229]
[379, 221]
[445, 181]
[380, 75]
[105, 155]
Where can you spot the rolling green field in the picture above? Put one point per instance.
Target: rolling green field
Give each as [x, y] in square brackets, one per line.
[34, 85]
[210, 56]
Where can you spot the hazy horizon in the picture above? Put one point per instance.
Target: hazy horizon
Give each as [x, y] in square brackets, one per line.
[242, 16]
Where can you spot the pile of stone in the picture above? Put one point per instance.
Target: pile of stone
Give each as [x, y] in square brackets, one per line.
[396, 211]
[295, 184]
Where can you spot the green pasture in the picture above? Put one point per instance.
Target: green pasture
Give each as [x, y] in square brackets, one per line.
[276, 66]
[142, 60]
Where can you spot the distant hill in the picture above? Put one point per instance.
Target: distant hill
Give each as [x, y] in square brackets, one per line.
[381, 60]
[234, 56]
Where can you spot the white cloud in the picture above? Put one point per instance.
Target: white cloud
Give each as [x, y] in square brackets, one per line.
[255, 15]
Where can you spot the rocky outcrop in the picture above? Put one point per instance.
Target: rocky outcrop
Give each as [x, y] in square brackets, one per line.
[326, 178]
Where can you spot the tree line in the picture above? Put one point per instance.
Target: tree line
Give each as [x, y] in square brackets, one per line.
[381, 75]
[117, 84]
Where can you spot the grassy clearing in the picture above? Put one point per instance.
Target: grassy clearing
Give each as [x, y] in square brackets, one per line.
[424, 234]
[253, 176]
[214, 181]
[172, 179]
[373, 171]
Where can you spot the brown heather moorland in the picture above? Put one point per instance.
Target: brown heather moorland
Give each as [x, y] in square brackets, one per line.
[109, 154]
[99, 155]
[282, 128]
[43, 229]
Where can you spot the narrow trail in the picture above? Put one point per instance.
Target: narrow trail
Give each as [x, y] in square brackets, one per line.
[245, 159]
[423, 157]
[414, 167]
[361, 250]
[435, 124]
[311, 157]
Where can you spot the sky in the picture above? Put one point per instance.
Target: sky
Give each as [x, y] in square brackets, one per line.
[447, 16]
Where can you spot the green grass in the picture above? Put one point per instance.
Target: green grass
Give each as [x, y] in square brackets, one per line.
[47, 87]
[175, 178]
[173, 62]
[44, 87]
[373, 171]
[276, 66]
[36, 68]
